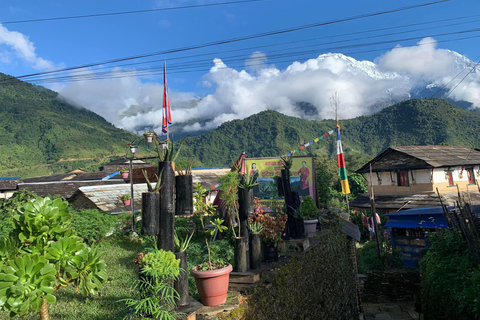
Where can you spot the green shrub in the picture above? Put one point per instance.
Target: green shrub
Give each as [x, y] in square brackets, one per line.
[368, 258]
[93, 225]
[156, 296]
[43, 256]
[450, 280]
[9, 207]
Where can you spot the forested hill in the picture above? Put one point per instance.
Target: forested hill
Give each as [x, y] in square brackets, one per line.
[269, 133]
[41, 134]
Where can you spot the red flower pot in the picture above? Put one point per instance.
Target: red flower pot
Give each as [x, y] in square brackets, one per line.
[212, 285]
[127, 202]
[125, 175]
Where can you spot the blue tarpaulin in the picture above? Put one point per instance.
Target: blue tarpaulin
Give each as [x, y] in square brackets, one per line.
[427, 217]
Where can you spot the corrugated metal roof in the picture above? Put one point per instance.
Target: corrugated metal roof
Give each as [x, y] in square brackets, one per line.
[410, 201]
[422, 157]
[106, 197]
[9, 184]
[442, 156]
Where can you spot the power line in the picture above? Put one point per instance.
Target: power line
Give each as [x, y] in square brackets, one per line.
[318, 38]
[445, 85]
[192, 67]
[129, 12]
[238, 39]
[473, 69]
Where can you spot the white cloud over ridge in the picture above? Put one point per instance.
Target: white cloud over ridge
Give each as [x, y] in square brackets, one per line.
[362, 86]
[17, 45]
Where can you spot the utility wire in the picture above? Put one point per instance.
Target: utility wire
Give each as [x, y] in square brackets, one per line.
[192, 67]
[238, 39]
[318, 38]
[271, 57]
[473, 69]
[129, 12]
[445, 85]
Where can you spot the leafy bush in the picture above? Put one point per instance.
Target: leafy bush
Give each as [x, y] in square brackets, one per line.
[368, 257]
[42, 255]
[93, 225]
[156, 298]
[450, 280]
[9, 207]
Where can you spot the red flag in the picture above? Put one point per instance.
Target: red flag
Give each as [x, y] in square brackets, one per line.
[167, 115]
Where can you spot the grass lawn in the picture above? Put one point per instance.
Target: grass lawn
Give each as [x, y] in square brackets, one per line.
[122, 272]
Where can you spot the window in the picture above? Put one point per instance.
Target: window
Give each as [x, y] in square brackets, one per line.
[471, 176]
[450, 178]
[403, 179]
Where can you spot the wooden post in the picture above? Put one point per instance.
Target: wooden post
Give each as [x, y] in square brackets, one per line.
[374, 215]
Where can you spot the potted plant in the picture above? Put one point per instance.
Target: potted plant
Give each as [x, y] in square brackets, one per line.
[125, 198]
[212, 277]
[273, 221]
[124, 172]
[149, 136]
[309, 211]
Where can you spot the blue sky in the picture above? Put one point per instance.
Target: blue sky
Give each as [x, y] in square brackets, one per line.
[224, 90]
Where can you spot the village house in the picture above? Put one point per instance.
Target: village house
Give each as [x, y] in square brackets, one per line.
[408, 177]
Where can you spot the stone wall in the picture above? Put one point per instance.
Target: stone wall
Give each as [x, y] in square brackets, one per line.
[383, 286]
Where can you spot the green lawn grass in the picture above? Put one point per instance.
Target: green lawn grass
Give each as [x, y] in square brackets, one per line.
[122, 272]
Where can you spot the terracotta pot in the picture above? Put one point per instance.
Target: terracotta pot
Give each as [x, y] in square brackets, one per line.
[127, 202]
[310, 227]
[212, 285]
[125, 175]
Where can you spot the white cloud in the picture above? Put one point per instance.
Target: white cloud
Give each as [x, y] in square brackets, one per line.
[362, 86]
[23, 48]
[422, 60]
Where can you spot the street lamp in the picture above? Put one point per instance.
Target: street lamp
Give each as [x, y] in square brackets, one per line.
[133, 149]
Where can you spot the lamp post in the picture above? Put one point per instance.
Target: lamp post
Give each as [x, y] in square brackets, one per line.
[133, 150]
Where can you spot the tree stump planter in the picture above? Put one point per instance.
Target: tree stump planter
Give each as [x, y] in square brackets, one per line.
[299, 228]
[167, 210]
[150, 213]
[270, 252]
[181, 284]
[184, 195]
[255, 251]
[240, 254]
[212, 285]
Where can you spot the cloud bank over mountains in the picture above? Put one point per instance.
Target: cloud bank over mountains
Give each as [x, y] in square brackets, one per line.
[362, 87]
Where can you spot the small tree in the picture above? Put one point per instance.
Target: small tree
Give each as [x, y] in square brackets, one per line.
[43, 256]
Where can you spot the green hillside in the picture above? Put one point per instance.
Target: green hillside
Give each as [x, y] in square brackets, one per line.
[269, 133]
[41, 134]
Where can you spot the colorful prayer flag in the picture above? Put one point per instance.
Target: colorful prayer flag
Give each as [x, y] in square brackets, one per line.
[342, 170]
